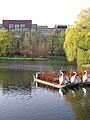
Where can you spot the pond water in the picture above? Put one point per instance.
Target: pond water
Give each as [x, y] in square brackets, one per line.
[21, 99]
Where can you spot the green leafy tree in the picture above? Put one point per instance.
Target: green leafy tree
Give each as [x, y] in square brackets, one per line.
[52, 39]
[39, 44]
[5, 40]
[77, 40]
[20, 44]
[60, 42]
[56, 43]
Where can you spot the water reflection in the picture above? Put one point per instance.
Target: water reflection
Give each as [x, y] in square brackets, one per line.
[73, 91]
[36, 84]
[37, 65]
[84, 90]
[61, 93]
[40, 101]
[78, 98]
[16, 83]
[80, 102]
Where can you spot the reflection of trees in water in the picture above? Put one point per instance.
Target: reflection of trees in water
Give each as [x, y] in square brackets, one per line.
[17, 89]
[80, 103]
[16, 82]
[17, 93]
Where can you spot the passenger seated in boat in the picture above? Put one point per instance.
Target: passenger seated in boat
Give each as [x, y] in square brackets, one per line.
[63, 79]
[75, 78]
[86, 76]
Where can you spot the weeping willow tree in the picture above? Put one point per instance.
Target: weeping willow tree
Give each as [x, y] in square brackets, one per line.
[77, 40]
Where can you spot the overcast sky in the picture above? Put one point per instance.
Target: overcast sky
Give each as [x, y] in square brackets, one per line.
[43, 12]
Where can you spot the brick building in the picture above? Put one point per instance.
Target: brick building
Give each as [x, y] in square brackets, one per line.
[16, 25]
[12, 24]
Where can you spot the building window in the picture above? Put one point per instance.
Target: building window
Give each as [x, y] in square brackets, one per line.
[11, 26]
[16, 26]
[27, 29]
[22, 25]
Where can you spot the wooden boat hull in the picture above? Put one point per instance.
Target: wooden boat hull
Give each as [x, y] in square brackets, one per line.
[48, 83]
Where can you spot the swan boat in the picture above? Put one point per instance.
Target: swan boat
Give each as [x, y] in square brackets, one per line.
[53, 84]
[52, 79]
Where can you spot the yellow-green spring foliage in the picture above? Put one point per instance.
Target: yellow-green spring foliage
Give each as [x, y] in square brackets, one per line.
[5, 39]
[77, 40]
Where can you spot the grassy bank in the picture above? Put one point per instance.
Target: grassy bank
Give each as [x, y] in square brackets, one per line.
[23, 58]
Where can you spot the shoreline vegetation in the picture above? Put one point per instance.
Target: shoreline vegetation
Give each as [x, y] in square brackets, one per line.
[34, 59]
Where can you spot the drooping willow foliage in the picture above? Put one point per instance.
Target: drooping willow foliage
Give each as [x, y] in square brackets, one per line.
[77, 40]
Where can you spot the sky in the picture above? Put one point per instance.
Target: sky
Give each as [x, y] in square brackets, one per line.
[43, 12]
